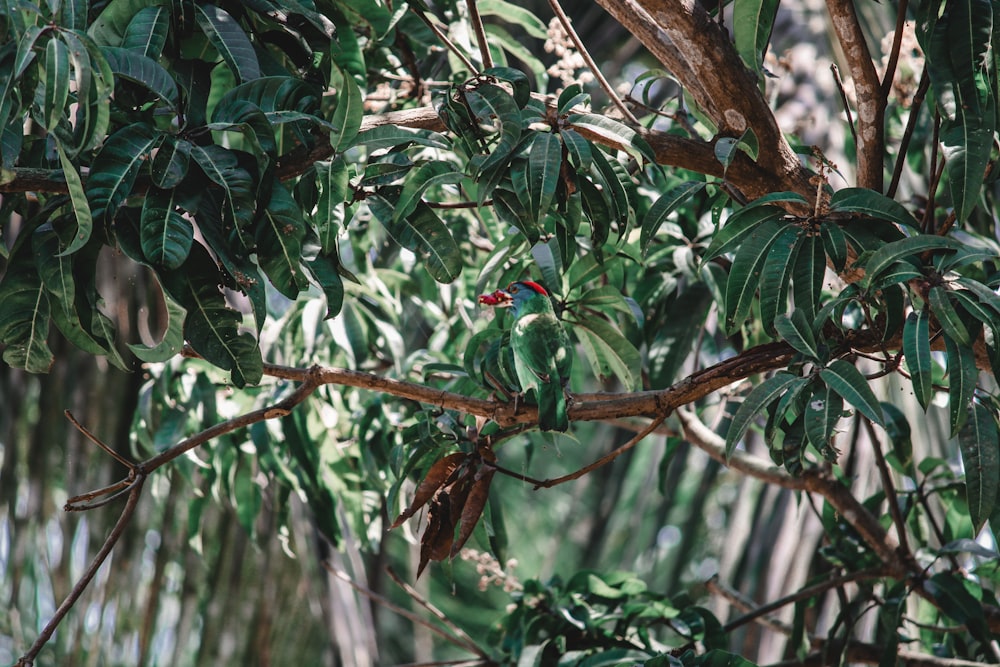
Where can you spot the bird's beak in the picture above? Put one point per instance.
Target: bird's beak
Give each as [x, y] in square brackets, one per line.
[498, 299]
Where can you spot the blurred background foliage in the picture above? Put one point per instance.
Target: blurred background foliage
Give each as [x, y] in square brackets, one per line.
[241, 549]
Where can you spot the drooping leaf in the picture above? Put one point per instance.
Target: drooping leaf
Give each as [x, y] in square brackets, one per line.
[752, 24]
[494, 105]
[78, 199]
[871, 203]
[544, 162]
[744, 276]
[846, 380]
[979, 443]
[222, 168]
[776, 277]
[279, 237]
[115, 169]
[165, 234]
[610, 131]
[890, 253]
[947, 316]
[835, 244]
[807, 275]
[424, 233]
[56, 83]
[740, 225]
[390, 136]
[962, 377]
[211, 326]
[24, 317]
[110, 27]
[170, 164]
[757, 400]
[917, 351]
[955, 600]
[663, 207]
[417, 181]
[823, 411]
[172, 342]
[142, 70]
[349, 112]
[147, 31]
[609, 352]
[230, 41]
[797, 331]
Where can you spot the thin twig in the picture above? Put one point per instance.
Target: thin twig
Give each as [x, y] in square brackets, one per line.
[469, 642]
[911, 125]
[889, 488]
[97, 441]
[843, 98]
[477, 26]
[897, 41]
[444, 39]
[587, 58]
[28, 658]
[405, 613]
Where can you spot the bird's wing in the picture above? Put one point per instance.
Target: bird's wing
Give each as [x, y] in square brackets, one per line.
[539, 340]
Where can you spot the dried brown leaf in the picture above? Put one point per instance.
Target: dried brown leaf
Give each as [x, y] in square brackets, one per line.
[437, 477]
[475, 502]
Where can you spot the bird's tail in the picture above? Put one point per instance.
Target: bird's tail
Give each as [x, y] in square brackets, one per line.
[552, 414]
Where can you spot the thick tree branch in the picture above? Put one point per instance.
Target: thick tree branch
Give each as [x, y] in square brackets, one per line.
[868, 90]
[699, 53]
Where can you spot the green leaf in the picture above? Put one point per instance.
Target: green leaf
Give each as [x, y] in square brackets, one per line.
[797, 332]
[874, 204]
[390, 136]
[979, 442]
[78, 200]
[324, 270]
[275, 93]
[835, 244]
[962, 377]
[578, 150]
[777, 276]
[334, 183]
[848, 381]
[94, 85]
[230, 41]
[165, 235]
[917, 350]
[663, 207]
[752, 24]
[147, 32]
[740, 225]
[544, 162]
[425, 234]
[516, 14]
[609, 352]
[744, 276]
[56, 83]
[349, 112]
[508, 209]
[417, 181]
[607, 130]
[955, 600]
[517, 80]
[222, 168]
[144, 71]
[823, 411]
[170, 163]
[24, 317]
[494, 105]
[890, 253]
[173, 335]
[279, 238]
[112, 24]
[807, 275]
[116, 167]
[947, 316]
[212, 328]
[756, 401]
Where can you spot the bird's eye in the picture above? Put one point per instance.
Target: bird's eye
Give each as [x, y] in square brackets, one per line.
[513, 289]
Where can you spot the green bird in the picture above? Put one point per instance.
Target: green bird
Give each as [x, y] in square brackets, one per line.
[543, 356]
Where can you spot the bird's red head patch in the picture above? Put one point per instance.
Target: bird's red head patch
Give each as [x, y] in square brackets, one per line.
[533, 285]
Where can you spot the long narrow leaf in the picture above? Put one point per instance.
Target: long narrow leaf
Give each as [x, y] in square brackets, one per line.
[979, 442]
[848, 381]
[228, 38]
[962, 377]
[756, 401]
[917, 351]
[78, 199]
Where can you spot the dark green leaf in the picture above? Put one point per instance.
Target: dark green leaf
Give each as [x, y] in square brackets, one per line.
[279, 239]
[390, 136]
[947, 316]
[142, 70]
[424, 233]
[24, 317]
[835, 244]
[744, 276]
[116, 167]
[609, 352]
[738, 227]
[757, 401]
[890, 253]
[848, 381]
[979, 442]
[612, 132]
[797, 332]
[417, 181]
[777, 276]
[78, 199]
[493, 105]
[544, 162]
[874, 204]
[349, 112]
[230, 41]
[955, 600]
[807, 275]
[165, 234]
[173, 335]
[917, 350]
[663, 207]
[147, 32]
[56, 83]
[578, 150]
[823, 411]
[962, 377]
[752, 24]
